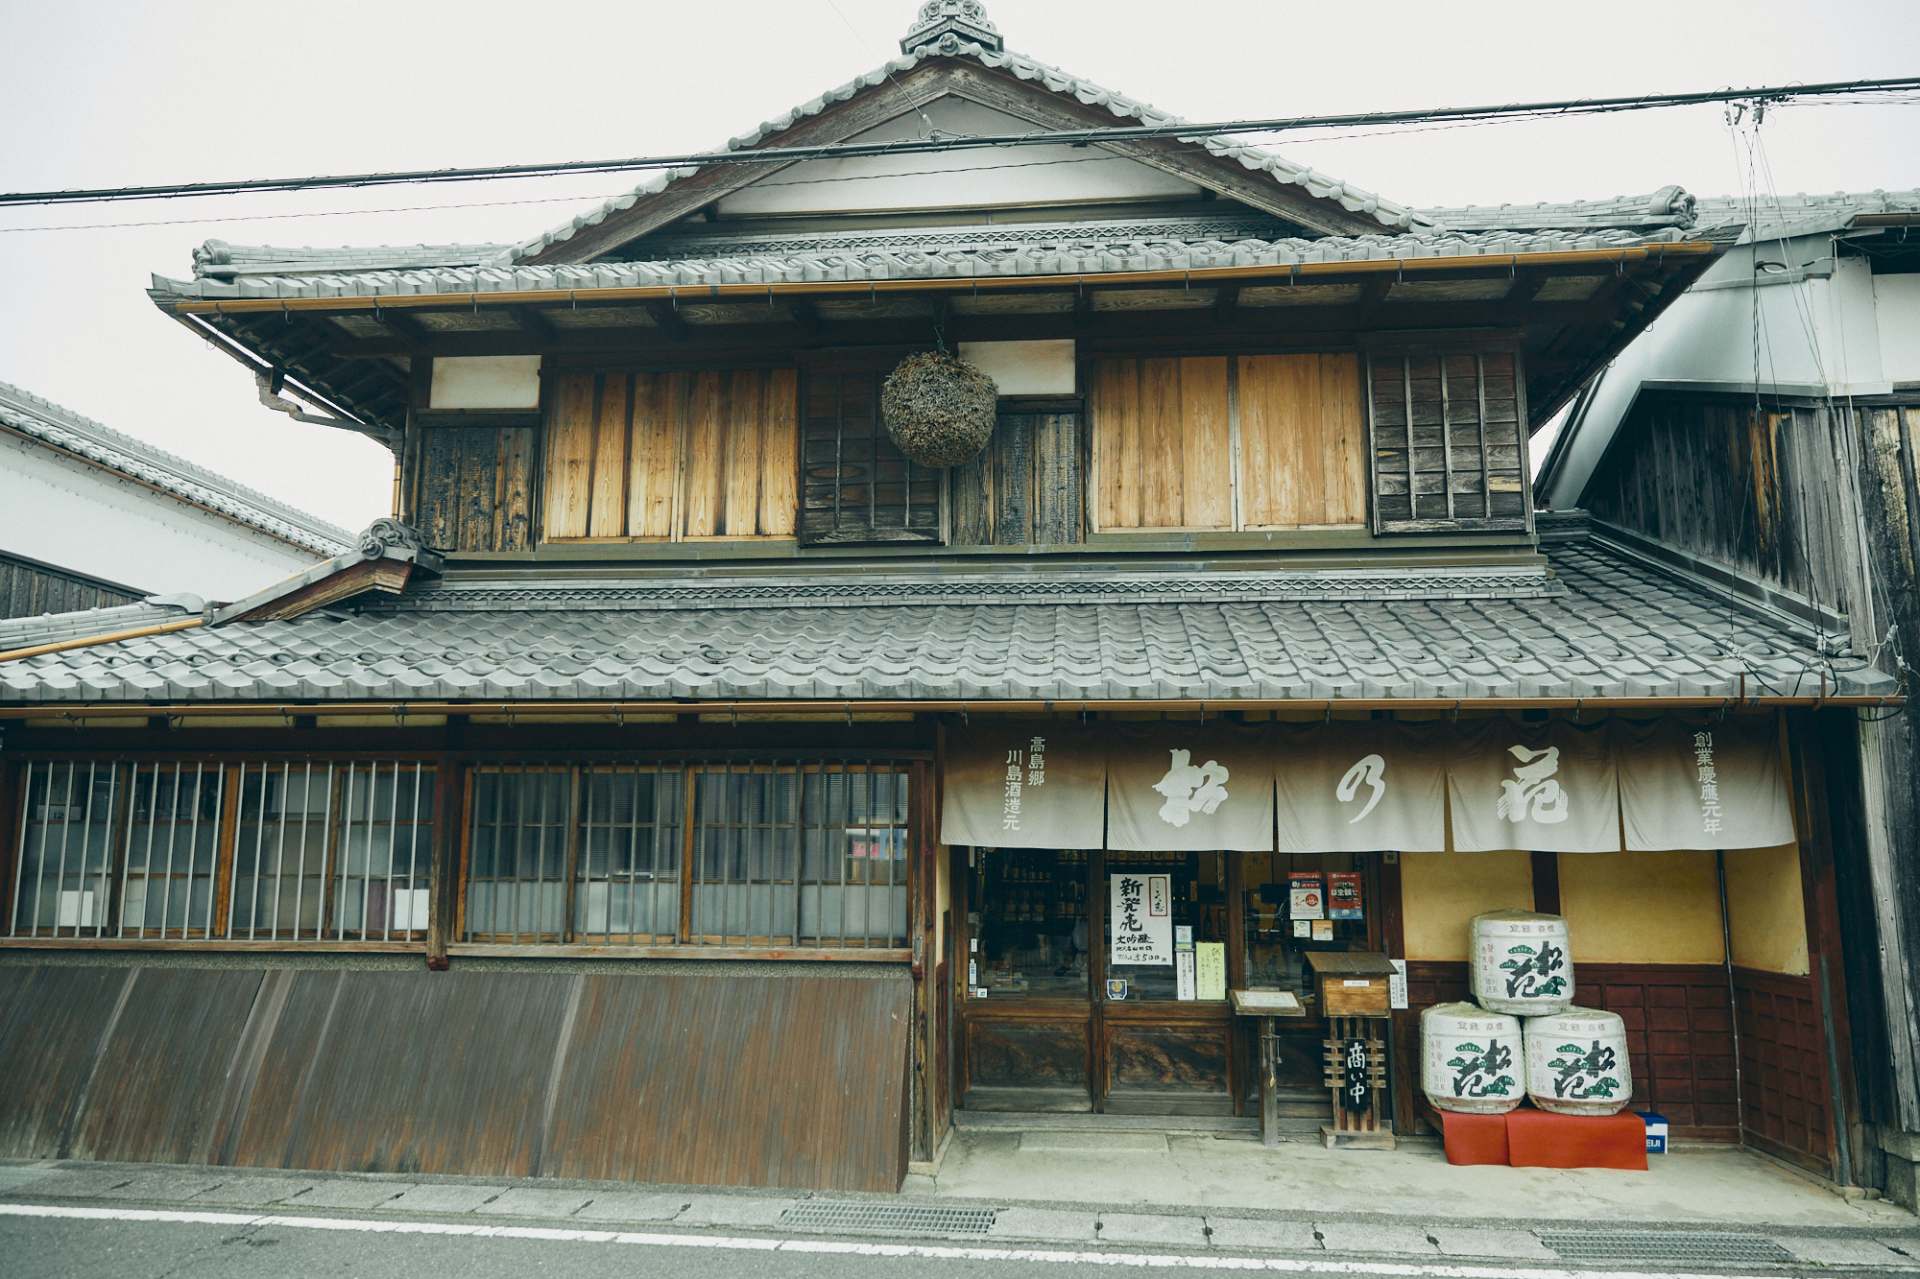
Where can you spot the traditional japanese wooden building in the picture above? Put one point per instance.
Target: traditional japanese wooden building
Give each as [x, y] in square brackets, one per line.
[688, 785]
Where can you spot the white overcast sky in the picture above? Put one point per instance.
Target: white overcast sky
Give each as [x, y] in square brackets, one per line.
[102, 94]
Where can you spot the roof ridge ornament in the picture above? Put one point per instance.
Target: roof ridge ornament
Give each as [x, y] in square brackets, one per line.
[942, 25]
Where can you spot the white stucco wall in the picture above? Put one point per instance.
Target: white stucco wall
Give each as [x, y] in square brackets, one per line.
[1896, 300]
[1818, 328]
[87, 520]
[954, 179]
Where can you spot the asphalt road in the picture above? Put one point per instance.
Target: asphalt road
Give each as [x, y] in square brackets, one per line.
[65, 1248]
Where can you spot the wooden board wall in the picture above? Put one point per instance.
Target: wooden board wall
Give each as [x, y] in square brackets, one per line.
[671, 456]
[1025, 489]
[476, 488]
[1228, 442]
[794, 1080]
[1447, 438]
[28, 589]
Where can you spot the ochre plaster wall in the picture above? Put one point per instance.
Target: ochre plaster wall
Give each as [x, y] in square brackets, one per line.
[1765, 910]
[1642, 908]
[1440, 893]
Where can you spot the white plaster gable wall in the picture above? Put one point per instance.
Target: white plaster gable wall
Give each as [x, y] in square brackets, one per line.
[955, 179]
[1818, 332]
[87, 520]
[1896, 302]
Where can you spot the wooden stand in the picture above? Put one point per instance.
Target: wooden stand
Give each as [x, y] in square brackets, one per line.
[1267, 1005]
[1354, 998]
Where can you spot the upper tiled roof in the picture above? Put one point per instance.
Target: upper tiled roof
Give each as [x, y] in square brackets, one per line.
[62, 428]
[1605, 625]
[1068, 252]
[1392, 216]
[1670, 206]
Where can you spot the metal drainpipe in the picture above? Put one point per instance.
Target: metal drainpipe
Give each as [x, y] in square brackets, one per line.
[1733, 998]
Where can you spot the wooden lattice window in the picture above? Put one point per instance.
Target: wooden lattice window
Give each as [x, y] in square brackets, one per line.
[857, 487]
[1448, 440]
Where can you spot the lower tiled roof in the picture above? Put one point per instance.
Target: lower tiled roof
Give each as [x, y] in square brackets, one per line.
[1611, 626]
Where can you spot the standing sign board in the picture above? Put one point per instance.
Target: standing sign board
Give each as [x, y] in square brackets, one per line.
[1142, 919]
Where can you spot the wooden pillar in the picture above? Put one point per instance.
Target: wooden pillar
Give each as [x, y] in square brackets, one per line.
[1403, 1025]
[449, 827]
[11, 802]
[1546, 883]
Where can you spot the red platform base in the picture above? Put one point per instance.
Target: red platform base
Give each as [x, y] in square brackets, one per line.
[1529, 1138]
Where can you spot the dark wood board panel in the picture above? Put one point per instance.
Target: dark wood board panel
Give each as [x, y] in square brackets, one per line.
[28, 589]
[750, 1079]
[1784, 1093]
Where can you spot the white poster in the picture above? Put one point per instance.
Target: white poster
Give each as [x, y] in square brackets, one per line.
[1183, 974]
[1142, 919]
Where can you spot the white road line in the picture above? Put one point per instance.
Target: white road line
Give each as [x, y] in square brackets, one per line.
[848, 1248]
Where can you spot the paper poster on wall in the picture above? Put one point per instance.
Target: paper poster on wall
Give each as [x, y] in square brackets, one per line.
[1183, 974]
[1210, 963]
[1397, 984]
[1323, 930]
[1141, 919]
[1343, 895]
[1306, 895]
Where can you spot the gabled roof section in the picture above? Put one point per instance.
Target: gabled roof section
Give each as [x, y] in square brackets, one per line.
[942, 60]
[1670, 206]
[48, 423]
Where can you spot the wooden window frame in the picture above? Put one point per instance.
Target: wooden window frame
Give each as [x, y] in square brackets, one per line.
[863, 364]
[694, 843]
[1380, 525]
[216, 926]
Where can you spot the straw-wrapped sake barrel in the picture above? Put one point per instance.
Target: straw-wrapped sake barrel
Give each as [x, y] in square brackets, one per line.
[1470, 1059]
[1577, 1062]
[1521, 963]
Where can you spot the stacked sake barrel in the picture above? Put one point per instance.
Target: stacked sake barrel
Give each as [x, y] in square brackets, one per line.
[1522, 1024]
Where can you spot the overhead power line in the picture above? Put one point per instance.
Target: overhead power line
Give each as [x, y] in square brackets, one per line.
[1038, 137]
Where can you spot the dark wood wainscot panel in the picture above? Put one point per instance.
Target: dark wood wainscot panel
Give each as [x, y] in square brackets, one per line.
[1782, 1068]
[476, 487]
[763, 1080]
[1027, 1060]
[1162, 1063]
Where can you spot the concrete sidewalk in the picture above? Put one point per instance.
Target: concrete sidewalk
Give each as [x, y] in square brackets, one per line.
[1869, 1235]
[1710, 1185]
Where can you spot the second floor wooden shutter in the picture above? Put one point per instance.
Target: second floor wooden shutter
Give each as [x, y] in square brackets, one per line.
[856, 487]
[1448, 437]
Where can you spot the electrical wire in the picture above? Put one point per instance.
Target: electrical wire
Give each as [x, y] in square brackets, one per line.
[1068, 137]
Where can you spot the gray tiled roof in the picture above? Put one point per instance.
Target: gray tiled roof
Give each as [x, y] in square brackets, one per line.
[1673, 207]
[62, 428]
[1389, 214]
[1063, 255]
[1608, 625]
[52, 628]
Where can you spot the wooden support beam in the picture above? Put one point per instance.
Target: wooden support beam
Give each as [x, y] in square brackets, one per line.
[1226, 303]
[408, 326]
[530, 319]
[668, 317]
[806, 315]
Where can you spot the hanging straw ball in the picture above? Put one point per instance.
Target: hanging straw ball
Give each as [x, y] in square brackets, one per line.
[939, 409]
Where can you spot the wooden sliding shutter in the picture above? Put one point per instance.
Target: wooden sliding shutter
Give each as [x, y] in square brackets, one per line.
[1163, 455]
[857, 486]
[1228, 442]
[1448, 442]
[672, 456]
[475, 487]
[1302, 441]
[1025, 488]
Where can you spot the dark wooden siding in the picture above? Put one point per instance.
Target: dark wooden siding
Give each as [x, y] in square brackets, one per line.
[476, 487]
[754, 1079]
[28, 589]
[1783, 1053]
[1026, 488]
[1725, 481]
[1447, 440]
